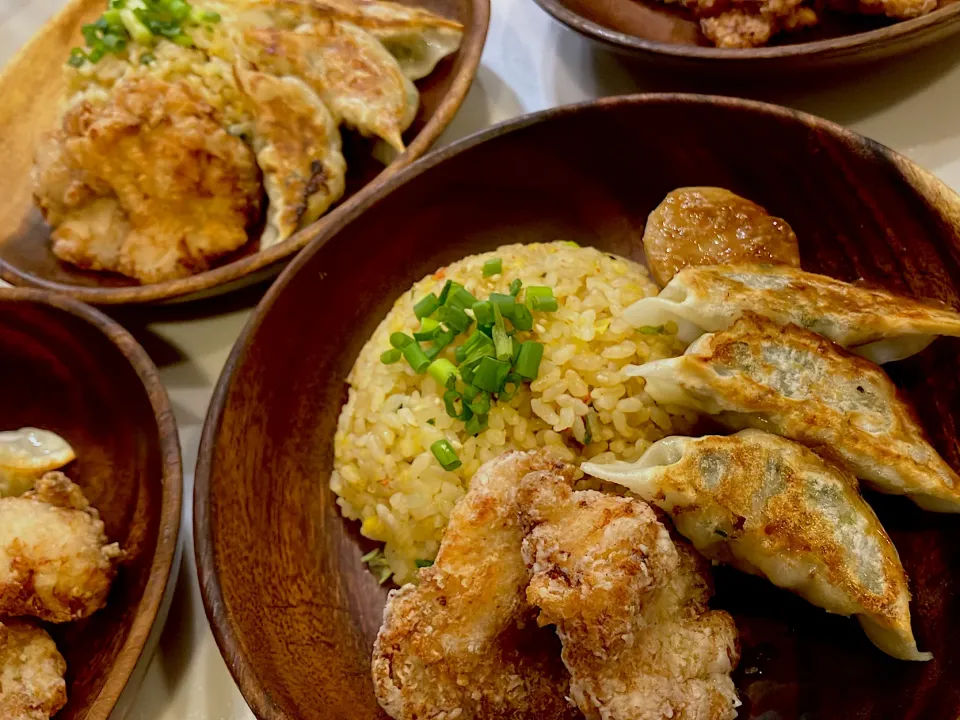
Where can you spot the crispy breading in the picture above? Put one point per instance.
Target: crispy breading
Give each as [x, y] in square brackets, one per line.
[55, 561]
[146, 183]
[463, 643]
[629, 605]
[31, 672]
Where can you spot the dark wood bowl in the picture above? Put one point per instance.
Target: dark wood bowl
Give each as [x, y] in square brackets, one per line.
[67, 368]
[649, 30]
[31, 86]
[293, 609]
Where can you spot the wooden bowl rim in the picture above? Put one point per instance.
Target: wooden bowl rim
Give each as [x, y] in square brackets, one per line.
[469, 60]
[172, 477]
[231, 648]
[845, 45]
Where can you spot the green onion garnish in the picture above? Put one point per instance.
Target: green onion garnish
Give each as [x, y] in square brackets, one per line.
[543, 304]
[479, 404]
[391, 356]
[137, 29]
[476, 425]
[503, 344]
[460, 298]
[483, 312]
[522, 318]
[455, 318]
[77, 57]
[571, 243]
[651, 329]
[442, 370]
[423, 563]
[515, 287]
[494, 266]
[427, 306]
[445, 454]
[511, 386]
[431, 421]
[147, 58]
[539, 291]
[416, 357]
[400, 340]
[446, 291]
[429, 329]
[442, 339]
[528, 362]
[506, 303]
[491, 373]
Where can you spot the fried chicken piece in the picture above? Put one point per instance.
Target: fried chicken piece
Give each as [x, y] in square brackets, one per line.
[900, 9]
[713, 226]
[750, 25]
[630, 607]
[55, 562]
[31, 673]
[463, 643]
[147, 183]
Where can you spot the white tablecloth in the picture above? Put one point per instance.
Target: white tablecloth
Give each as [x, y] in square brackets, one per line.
[530, 63]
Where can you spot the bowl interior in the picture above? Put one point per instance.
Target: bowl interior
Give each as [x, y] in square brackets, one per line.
[294, 610]
[25, 254]
[61, 373]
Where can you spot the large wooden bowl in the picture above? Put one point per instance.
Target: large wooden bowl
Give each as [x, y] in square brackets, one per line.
[649, 30]
[292, 608]
[68, 368]
[31, 86]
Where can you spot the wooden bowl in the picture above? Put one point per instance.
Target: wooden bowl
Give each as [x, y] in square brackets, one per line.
[67, 368]
[649, 30]
[31, 86]
[293, 609]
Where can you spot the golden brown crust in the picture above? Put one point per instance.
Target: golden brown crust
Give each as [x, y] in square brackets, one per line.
[630, 607]
[463, 643]
[31, 672]
[55, 561]
[709, 226]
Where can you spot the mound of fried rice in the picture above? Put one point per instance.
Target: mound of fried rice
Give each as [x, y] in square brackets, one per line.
[581, 405]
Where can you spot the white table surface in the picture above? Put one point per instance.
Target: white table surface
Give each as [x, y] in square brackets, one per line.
[529, 63]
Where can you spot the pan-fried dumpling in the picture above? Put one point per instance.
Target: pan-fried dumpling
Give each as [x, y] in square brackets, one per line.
[773, 508]
[797, 384]
[358, 80]
[298, 150]
[877, 325]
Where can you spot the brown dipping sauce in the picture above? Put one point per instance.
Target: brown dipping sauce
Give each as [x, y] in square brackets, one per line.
[713, 226]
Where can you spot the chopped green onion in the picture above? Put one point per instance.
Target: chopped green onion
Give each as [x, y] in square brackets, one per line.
[515, 287]
[442, 370]
[539, 291]
[451, 383]
[400, 340]
[423, 563]
[494, 266]
[491, 373]
[479, 404]
[138, 31]
[147, 58]
[651, 329]
[429, 329]
[427, 306]
[112, 19]
[483, 312]
[183, 40]
[476, 425]
[511, 386]
[179, 9]
[522, 318]
[528, 362]
[571, 243]
[391, 356]
[77, 57]
[204, 16]
[454, 318]
[416, 357]
[431, 421]
[445, 454]
[506, 303]
[460, 298]
[450, 400]
[543, 304]
[96, 55]
[441, 341]
[370, 555]
[503, 344]
[447, 286]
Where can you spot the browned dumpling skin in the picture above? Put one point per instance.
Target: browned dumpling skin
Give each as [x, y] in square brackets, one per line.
[713, 226]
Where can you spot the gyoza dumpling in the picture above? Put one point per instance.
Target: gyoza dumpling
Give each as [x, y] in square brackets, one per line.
[358, 80]
[877, 325]
[797, 384]
[298, 150]
[773, 508]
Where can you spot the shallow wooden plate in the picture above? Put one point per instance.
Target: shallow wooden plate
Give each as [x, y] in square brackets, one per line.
[31, 85]
[293, 609]
[67, 368]
[650, 30]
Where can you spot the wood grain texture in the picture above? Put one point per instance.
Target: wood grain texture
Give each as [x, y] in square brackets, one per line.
[649, 30]
[292, 608]
[31, 85]
[67, 368]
